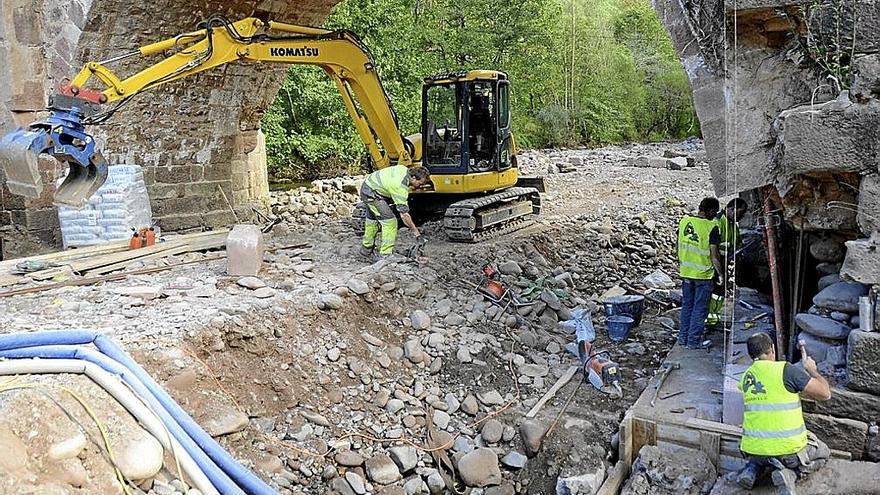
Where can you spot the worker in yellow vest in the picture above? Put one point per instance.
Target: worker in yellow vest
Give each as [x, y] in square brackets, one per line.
[382, 189]
[728, 228]
[774, 435]
[699, 262]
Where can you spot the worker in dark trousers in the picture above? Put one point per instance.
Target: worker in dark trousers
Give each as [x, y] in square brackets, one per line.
[699, 261]
[774, 434]
[731, 241]
[383, 190]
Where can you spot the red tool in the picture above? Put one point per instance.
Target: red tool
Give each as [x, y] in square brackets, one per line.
[602, 373]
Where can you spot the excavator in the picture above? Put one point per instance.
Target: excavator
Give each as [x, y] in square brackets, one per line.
[465, 139]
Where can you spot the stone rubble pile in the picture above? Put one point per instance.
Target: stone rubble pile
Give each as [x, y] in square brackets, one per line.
[673, 156]
[323, 200]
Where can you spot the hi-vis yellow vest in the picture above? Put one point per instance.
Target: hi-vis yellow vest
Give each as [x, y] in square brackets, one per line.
[389, 183]
[730, 237]
[773, 423]
[694, 258]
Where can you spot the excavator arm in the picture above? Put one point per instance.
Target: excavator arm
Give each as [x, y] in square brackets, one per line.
[341, 55]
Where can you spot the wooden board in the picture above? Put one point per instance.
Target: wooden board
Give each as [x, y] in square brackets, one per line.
[615, 479]
[644, 432]
[565, 378]
[710, 444]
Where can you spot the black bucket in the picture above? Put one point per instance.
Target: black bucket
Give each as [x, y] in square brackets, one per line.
[629, 305]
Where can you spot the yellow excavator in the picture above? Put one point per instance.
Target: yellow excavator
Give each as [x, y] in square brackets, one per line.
[466, 139]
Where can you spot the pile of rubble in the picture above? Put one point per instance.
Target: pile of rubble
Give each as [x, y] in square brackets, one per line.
[673, 156]
[323, 200]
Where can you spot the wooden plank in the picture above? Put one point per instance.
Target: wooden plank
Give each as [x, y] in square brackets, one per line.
[200, 244]
[104, 278]
[80, 266]
[68, 254]
[710, 444]
[644, 432]
[624, 447]
[565, 378]
[615, 479]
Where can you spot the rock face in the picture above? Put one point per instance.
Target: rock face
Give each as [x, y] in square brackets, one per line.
[182, 178]
[861, 359]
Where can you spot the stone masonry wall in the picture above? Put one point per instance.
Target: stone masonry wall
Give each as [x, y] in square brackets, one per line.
[194, 136]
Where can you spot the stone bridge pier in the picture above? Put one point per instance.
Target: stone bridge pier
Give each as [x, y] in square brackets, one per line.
[195, 137]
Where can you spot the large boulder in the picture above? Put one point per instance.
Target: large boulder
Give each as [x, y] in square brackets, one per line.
[479, 468]
[845, 403]
[842, 296]
[863, 361]
[822, 327]
[824, 350]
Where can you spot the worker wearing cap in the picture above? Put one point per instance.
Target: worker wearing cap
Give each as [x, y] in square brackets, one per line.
[774, 434]
[728, 228]
[699, 261]
[383, 190]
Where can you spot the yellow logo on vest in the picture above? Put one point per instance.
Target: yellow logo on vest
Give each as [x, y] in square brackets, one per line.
[750, 382]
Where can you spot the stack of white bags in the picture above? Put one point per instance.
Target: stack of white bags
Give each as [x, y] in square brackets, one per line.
[120, 205]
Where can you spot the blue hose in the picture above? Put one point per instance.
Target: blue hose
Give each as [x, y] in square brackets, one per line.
[217, 464]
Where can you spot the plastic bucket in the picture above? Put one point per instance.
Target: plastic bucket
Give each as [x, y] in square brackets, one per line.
[630, 305]
[618, 327]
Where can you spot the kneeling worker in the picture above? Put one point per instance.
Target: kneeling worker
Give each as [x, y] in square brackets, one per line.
[774, 433]
[381, 189]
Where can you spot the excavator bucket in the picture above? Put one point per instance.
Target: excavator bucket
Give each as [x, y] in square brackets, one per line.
[62, 136]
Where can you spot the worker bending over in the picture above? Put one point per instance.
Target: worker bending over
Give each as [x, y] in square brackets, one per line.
[382, 189]
[774, 434]
[699, 262]
[731, 241]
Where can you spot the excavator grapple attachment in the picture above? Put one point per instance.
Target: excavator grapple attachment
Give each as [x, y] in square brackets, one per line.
[62, 136]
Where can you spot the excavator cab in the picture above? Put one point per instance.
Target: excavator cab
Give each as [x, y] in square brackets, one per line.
[466, 123]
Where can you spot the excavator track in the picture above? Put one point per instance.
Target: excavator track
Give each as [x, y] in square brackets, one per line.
[477, 219]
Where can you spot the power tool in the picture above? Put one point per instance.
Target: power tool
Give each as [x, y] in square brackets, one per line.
[600, 370]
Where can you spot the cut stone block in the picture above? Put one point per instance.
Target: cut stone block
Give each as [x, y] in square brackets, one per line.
[869, 204]
[821, 349]
[863, 361]
[845, 403]
[862, 262]
[847, 435]
[244, 250]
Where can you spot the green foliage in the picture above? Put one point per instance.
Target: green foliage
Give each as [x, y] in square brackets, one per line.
[621, 82]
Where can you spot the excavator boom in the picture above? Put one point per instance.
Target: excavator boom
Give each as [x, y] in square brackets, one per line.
[62, 135]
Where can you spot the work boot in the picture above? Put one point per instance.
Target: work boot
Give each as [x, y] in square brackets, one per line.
[784, 479]
[749, 474]
[365, 252]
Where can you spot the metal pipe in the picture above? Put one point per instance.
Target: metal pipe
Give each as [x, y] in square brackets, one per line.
[770, 239]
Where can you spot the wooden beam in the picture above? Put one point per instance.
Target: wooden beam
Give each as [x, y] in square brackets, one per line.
[644, 432]
[710, 444]
[615, 479]
[565, 378]
[105, 278]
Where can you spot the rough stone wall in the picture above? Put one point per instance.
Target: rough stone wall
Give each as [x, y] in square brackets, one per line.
[194, 136]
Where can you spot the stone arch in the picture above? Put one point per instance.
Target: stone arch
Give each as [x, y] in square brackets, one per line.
[193, 136]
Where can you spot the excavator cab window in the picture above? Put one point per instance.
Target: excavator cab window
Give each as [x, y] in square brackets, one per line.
[481, 126]
[443, 125]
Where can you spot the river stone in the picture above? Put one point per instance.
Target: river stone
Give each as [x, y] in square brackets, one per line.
[330, 301]
[842, 296]
[382, 470]
[252, 283]
[355, 482]
[827, 280]
[532, 433]
[420, 320]
[406, 457]
[818, 348]
[822, 327]
[862, 360]
[514, 460]
[358, 286]
[141, 457]
[470, 406]
[510, 268]
[68, 448]
[490, 397]
[492, 431]
[479, 468]
[342, 487]
[224, 421]
[348, 459]
[15, 454]
[827, 250]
